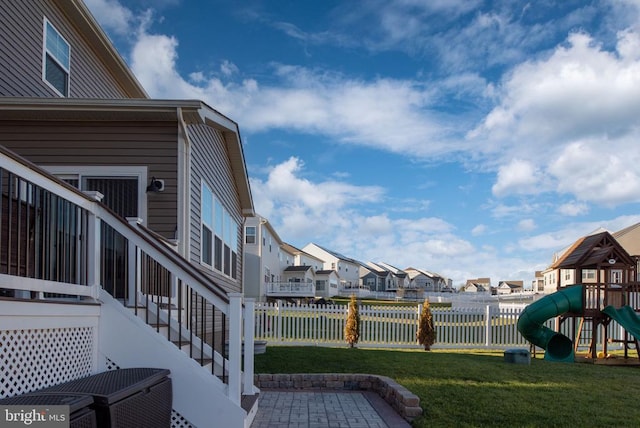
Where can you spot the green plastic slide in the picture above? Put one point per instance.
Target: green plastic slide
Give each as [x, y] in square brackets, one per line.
[557, 346]
[626, 317]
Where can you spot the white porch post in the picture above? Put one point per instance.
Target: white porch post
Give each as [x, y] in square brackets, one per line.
[249, 333]
[93, 246]
[133, 262]
[235, 347]
[93, 254]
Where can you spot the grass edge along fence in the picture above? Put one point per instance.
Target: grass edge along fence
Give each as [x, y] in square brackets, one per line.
[387, 326]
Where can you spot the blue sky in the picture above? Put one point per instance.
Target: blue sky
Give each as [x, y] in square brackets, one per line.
[468, 138]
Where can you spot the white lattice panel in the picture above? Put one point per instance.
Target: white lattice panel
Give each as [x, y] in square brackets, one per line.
[178, 421]
[31, 359]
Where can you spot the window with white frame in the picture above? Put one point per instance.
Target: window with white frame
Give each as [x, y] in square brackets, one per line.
[250, 235]
[56, 60]
[219, 235]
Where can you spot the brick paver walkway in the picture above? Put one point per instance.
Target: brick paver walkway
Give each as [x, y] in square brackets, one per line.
[298, 409]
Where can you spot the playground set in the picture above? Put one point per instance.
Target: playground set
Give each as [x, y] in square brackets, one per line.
[612, 295]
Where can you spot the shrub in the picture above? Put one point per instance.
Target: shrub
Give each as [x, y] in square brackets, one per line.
[426, 334]
[352, 326]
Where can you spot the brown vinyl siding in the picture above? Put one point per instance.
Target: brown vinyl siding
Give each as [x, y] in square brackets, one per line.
[152, 144]
[21, 50]
[210, 162]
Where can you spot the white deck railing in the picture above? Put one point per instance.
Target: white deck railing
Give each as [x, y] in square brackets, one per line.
[56, 242]
[291, 289]
[491, 326]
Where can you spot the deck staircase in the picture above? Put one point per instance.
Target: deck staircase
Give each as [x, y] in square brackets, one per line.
[156, 308]
[198, 373]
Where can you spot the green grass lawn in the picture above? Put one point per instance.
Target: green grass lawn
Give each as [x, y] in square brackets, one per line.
[478, 389]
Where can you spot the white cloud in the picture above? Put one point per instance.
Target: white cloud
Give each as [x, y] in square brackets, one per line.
[478, 230]
[510, 211]
[527, 225]
[228, 68]
[570, 121]
[303, 206]
[556, 240]
[112, 15]
[518, 177]
[599, 173]
[384, 113]
[578, 91]
[573, 208]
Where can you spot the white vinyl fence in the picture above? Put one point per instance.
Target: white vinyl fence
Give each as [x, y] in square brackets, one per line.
[491, 326]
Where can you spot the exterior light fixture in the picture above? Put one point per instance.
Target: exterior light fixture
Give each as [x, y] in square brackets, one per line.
[155, 185]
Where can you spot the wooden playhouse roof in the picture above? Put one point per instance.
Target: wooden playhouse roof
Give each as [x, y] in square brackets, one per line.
[593, 251]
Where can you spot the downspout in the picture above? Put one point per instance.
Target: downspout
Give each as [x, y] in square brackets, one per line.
[183, 229]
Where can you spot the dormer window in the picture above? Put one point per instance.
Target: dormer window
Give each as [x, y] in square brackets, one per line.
[55, 69]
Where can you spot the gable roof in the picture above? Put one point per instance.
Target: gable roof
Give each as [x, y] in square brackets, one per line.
[594, 250]
[629, 238]
[476, 285]
[512, 284]
[291, 249]
[337, 255]
[298, 252]
[377, 269]
[626, 230]
[478, 281]
[397, 272]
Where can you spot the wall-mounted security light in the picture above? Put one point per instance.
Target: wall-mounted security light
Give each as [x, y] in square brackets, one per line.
[155, 185]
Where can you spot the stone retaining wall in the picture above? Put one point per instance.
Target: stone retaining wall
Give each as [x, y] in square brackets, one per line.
[406, 403]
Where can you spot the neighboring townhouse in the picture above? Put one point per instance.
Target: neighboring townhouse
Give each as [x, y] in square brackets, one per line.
[376, 278]
[401, 279]
[427, 281]
[327, 283]
[477, 285]
[301, 258]
[417, 278]
[277, 270]
[265, 258]
[299, 281]
[629, 238]
[348, 269]
[537, 284]
[146, 214]
[442, 283]
[510, 287]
